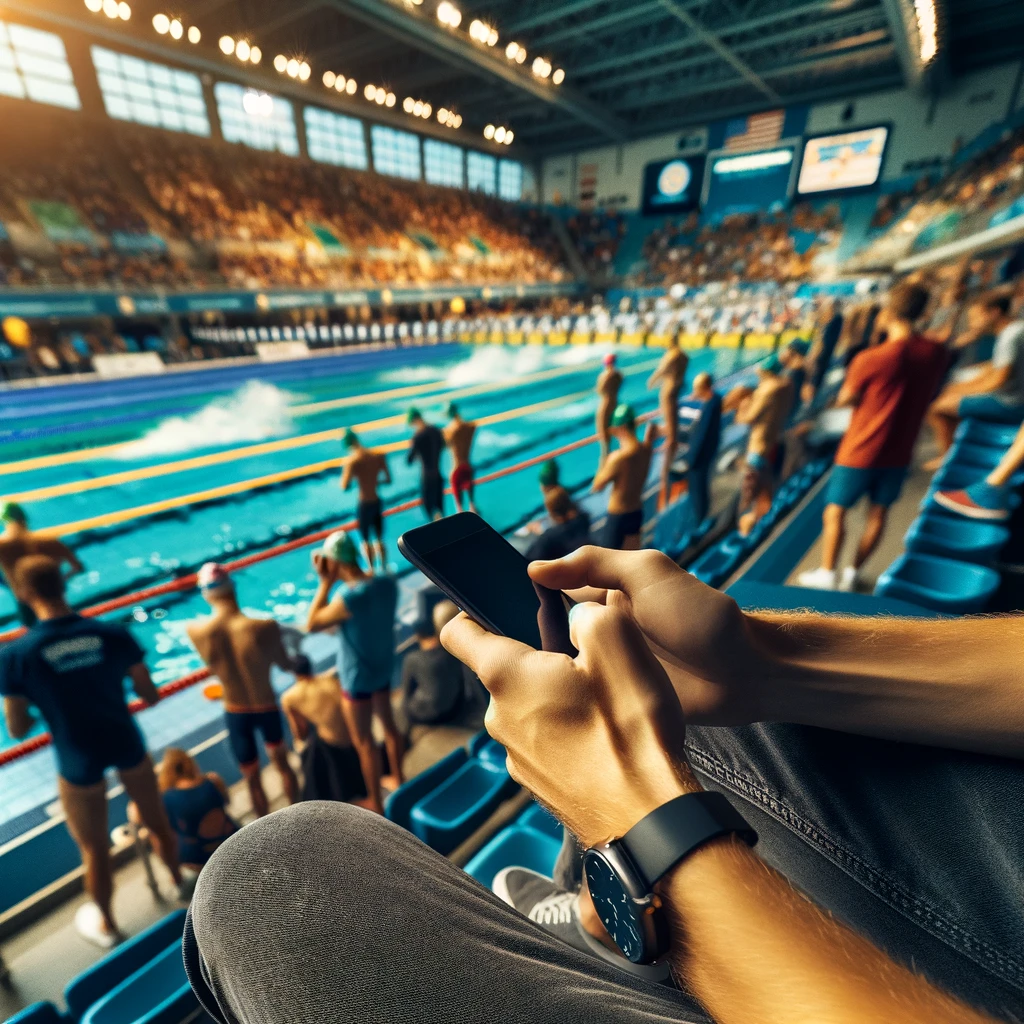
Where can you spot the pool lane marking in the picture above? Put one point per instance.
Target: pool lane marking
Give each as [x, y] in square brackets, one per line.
[234, 454]
[106, 450]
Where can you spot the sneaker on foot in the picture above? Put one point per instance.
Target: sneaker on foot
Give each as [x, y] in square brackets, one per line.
[849, 580]
[90, 925]
[818, 579]
[979, 501]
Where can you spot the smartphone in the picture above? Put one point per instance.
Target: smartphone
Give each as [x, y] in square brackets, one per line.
[486, 577]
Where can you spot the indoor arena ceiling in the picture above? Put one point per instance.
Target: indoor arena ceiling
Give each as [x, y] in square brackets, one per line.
[631, 67]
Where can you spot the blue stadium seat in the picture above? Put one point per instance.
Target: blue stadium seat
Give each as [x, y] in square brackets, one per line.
[492, 753]
[157, 993]
[965, 539]
[37, 1013]
[93, 984]
[980, 460]
[945, 585]
[719, 561]
[478, 742]
[399, 805]
[453, 811]
[536, 817]
[514, 847]
[994, 435]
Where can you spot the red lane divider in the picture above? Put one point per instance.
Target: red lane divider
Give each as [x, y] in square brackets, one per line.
[188, 582]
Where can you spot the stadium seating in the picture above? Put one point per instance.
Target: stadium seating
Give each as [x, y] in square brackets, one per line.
[537, 818]
[943, 584]
[516, 846]
[934, 534]
[157, 993]
[37, 1013]
[398, 806]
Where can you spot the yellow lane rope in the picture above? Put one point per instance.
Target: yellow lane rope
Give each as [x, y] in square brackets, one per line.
[213, 493]
[108, 450]
[219, 458]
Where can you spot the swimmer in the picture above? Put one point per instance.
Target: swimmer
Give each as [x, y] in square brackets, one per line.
[426, 445]
[330, 763]
[239, 652]
[17, 542]
[608, 384]
[626, 470]
[670, 374]
[368, 467]
[458, 435]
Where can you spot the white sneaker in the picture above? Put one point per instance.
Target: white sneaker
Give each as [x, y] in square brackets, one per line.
[818, 579]
[850, 579]
[90, 925]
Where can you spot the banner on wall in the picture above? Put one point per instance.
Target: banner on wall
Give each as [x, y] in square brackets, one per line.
[127, 364]
[61, 222]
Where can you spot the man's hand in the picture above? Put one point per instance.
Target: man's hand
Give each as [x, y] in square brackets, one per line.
[699, 635]
[598, 738]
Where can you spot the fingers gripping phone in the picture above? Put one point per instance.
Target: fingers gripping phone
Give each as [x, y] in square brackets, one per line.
[486, 577]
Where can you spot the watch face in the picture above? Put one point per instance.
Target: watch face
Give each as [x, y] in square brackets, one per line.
[617, 910]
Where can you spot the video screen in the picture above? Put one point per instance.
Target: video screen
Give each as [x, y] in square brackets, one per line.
[673, 186]
[835, 163]
[747, 182]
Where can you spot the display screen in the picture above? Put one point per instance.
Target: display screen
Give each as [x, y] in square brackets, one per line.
[673, 186]
[835, 163]
[747, 182]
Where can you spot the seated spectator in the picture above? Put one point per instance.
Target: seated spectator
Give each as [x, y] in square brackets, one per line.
[996, 392]
[889, 387]
[330, 763]
[989, 499]
[73, 669]
[570, 525]
[883, 762]
[705, 437]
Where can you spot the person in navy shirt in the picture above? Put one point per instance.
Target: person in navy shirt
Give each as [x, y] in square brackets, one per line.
[72, 670]
[705, 436]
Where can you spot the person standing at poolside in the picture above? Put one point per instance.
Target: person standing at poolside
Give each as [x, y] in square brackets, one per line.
[458, 435]
[370, 468]
[426, 446]
[670, 374]
[626, 470]
[609, 382]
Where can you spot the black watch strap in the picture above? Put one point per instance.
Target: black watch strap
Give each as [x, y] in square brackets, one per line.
[676, 829]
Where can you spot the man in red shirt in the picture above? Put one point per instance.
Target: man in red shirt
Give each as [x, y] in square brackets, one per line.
[890, 387]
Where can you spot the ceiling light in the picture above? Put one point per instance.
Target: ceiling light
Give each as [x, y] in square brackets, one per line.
[255, 55]
[475, 28]
[427, 110]
[927, 29]
[509, 136]
[242, 49]
[521, 56]
[489, 132]
[293, 68]
[380, 96]
[177, 30]
[390, 100]
[350, 87]
[458, 121]
[370, 92]
[408, 104]
[558, 77]
[329, 79]
[541, 68]
[499, 134]
[160, 22]
[194, 35]
[442, 115]
[448, 14]
[417, 108]
[281, 63]
[94, 5]
[304, 72]
[227, 45]
[511, 50]
[124, 12]
[492, 37]
[340, 83]
[110, 8]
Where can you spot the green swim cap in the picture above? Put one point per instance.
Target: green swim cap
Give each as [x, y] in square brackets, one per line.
[349, 439]
[772, 365]
[10, 512]
[413, 414]
[799, 345]
[624, 416]
[549, 474]
[340, 548]
[453, 410]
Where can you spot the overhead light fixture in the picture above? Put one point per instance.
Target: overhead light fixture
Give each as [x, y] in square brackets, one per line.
[492, 37]
[370, 92]
[194, 35]
[258, 104]
[390, 100]
[161, 22]
[110, 9]
[227, 45]
[242, 49]
[281, 63]
[304, 72]
[94, 5]
[408, 104]
[255, 55]
[558, 77]
[329, 79]
[350, 87]
[489, 132]
[448, 14]
[483, 33]
[509, 136]
[442, 115]
[340, 83]
[176, 29]
[293, 68]
[927, 29]
[499, 134]
[541, 67]
[124, 12]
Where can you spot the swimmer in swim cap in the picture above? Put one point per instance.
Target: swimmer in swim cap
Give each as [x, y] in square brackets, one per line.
[17, 541]
[426, 446]
[549, 475]
[458, 435]
[608, 384]
[339, 547]
[212, 577]
[669, 378]
[369, 468]
[350, 439]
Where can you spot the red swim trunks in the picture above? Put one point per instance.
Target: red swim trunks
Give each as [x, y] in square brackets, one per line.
[462, 478]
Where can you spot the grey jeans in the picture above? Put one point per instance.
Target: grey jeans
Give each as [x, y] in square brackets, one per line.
[326, 913]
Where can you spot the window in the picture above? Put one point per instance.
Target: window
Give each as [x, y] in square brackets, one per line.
[481, 172]
[256, 119]
[395, 153]
[153, 94]
[442, 163]
[510, 180]
[34, 66]
[335, 139]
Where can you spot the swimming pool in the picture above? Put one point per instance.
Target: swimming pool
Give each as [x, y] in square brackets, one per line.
[154, 476]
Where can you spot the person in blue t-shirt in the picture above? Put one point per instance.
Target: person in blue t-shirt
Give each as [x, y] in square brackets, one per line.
[363, 609]
[72, 669]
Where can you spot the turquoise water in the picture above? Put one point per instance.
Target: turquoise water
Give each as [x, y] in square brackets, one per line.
[162, 425]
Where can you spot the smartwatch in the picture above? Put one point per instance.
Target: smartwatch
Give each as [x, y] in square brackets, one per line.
[622, 874]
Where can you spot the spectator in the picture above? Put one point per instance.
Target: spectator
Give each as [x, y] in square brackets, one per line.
[363, 609]
[459, 435]
[426, 446]
[17, 542]
[991, 498]
[370, 468]
[996, 392]
[240, 652]
[330, 763]
[609, 382]
[434, 684]
[626, 471]
[794, 362]
[570, 525]
[600, 741]
[824, 347]
[705, 437]
[889, 387]
[670, 374]
[72, 669]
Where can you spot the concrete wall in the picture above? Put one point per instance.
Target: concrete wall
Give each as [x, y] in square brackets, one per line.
[923, 131]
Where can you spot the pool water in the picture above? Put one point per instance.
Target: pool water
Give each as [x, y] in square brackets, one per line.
[164, 426]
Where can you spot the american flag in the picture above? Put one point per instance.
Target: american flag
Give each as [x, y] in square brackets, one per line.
[755, 131]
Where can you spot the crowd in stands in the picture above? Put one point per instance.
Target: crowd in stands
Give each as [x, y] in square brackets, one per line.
[597, 236]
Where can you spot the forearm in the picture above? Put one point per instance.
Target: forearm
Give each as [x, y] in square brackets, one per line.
[319, 601]
[950, 682]
[754, 951]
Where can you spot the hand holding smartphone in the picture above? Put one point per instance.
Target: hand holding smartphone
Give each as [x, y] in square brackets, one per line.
[486, 577]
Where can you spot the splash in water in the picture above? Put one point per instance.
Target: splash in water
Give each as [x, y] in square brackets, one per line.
[499, 363]
[255, 412]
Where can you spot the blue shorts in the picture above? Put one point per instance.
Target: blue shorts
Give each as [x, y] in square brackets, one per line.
[242, 729]
[847, 486]
[119, 748]
[991, 408]
[365, 690]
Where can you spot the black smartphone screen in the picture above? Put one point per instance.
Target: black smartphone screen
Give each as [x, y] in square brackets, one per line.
[485, 576]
